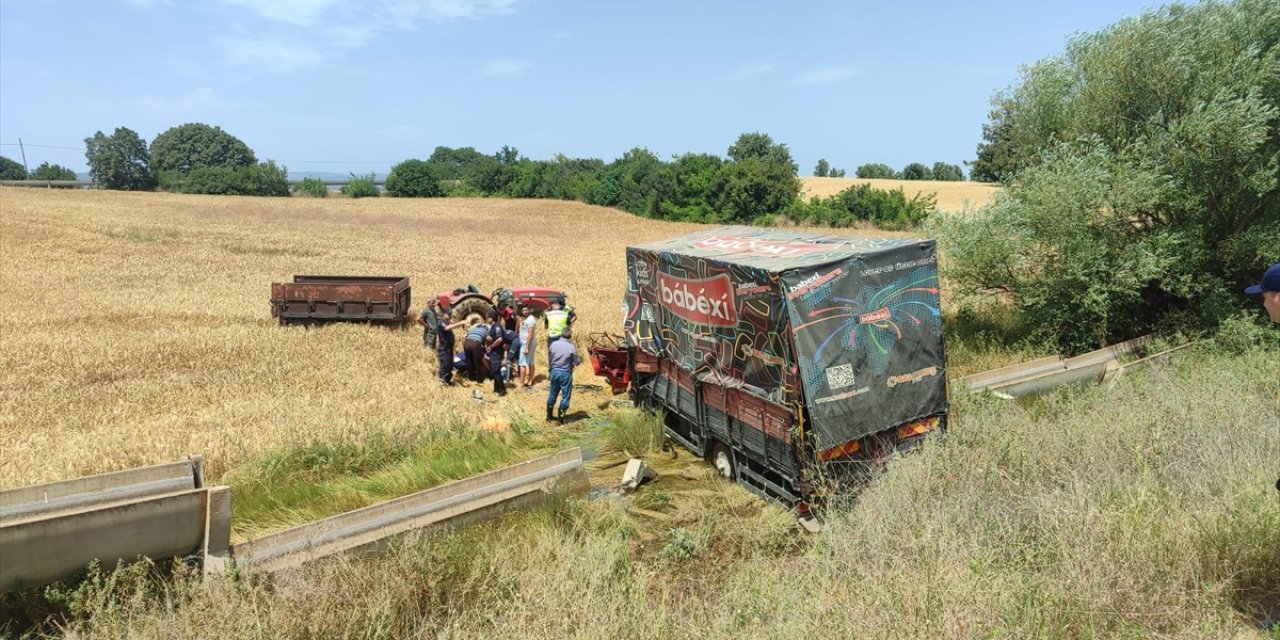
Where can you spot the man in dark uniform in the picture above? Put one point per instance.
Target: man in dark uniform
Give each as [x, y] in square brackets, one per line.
[427, 320]
[444, 345]
[496, 348]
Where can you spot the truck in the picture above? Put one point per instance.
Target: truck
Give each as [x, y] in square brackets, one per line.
[311, 299]
[791, 361]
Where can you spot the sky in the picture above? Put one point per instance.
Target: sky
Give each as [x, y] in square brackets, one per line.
[359, 85]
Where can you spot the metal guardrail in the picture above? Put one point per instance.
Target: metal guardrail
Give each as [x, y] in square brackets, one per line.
[469, 499]
[1038, 376]
[48, 184]
[51, 531]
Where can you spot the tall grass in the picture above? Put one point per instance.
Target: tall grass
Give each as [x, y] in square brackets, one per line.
[1146, 511]
[634, 432]
[320, 479]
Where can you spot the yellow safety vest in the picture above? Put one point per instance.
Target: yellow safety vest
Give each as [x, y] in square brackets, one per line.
[557, 320]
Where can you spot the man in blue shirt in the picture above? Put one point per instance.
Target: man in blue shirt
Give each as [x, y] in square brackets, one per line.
[473, 346]
[564, 357]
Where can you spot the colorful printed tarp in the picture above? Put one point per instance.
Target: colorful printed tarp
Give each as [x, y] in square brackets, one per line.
[849, 326]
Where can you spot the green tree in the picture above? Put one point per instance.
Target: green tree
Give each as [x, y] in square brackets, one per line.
[693, 198]
[759, 146]
[823, 169]
[874, 170]
[119, 161]
[836, 173]
[414, 179]
[996, 155]
[1147, 192]
[193, 145]
[947, 172]
[916, 171]
[637, 182]
[11, 170]
[754, 188]
[48, 171]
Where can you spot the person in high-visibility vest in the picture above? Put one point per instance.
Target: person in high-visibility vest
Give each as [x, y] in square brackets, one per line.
[557, 320]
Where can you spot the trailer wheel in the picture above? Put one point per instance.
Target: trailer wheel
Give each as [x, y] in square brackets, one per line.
[722, 459]
[473, 310]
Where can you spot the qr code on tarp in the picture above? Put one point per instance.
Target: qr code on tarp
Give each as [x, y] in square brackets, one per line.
[840, 376]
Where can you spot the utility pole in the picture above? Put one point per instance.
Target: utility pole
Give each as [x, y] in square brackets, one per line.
[24, 156]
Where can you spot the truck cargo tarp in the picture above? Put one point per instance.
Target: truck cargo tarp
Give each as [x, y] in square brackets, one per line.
[852, 321]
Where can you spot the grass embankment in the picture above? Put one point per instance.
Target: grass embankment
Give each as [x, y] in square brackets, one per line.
[1145, 511]
[321, 479]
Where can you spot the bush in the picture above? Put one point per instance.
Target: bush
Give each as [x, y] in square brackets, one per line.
[414, 179]
[312, 187]
[361, 186]
[875, 170]
[48, 171]
[265, 179]
[863, 203]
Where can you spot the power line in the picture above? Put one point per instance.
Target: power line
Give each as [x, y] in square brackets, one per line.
[43, 146]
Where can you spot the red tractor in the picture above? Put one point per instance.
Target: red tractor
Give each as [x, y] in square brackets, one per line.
[471, 305]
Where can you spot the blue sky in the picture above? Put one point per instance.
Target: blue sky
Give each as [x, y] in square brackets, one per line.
[359, 85]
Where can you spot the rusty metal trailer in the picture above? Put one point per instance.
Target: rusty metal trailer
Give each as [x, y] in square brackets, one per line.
[310, 299]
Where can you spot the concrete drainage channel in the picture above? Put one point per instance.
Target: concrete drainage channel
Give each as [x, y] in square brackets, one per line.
[49, 532]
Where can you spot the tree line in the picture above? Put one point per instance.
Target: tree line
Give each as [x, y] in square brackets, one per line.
[755, 183]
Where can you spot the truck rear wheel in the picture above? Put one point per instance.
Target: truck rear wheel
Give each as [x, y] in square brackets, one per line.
[722, 460]
[472, 310]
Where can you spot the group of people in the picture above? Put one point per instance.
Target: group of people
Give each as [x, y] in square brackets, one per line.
[503, 347]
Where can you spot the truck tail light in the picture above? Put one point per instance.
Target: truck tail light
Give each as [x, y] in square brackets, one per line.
[917, 428]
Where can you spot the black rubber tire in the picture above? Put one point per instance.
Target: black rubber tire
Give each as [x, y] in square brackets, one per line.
[474, 310]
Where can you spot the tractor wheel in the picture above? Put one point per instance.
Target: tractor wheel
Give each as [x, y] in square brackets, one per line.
[473, 310]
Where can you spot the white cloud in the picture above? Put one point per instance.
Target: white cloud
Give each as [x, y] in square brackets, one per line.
[309, 38]
[504, 67]
[274, 54]
[746, 72]
[827, 75]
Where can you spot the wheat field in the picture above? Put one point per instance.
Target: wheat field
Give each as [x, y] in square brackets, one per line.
[952, 196]
[136, 327]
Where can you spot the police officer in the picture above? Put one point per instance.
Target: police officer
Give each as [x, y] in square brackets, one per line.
[444, 345]
[496, 348]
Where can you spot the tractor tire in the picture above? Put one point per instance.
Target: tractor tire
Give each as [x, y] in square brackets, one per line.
[473, 310]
